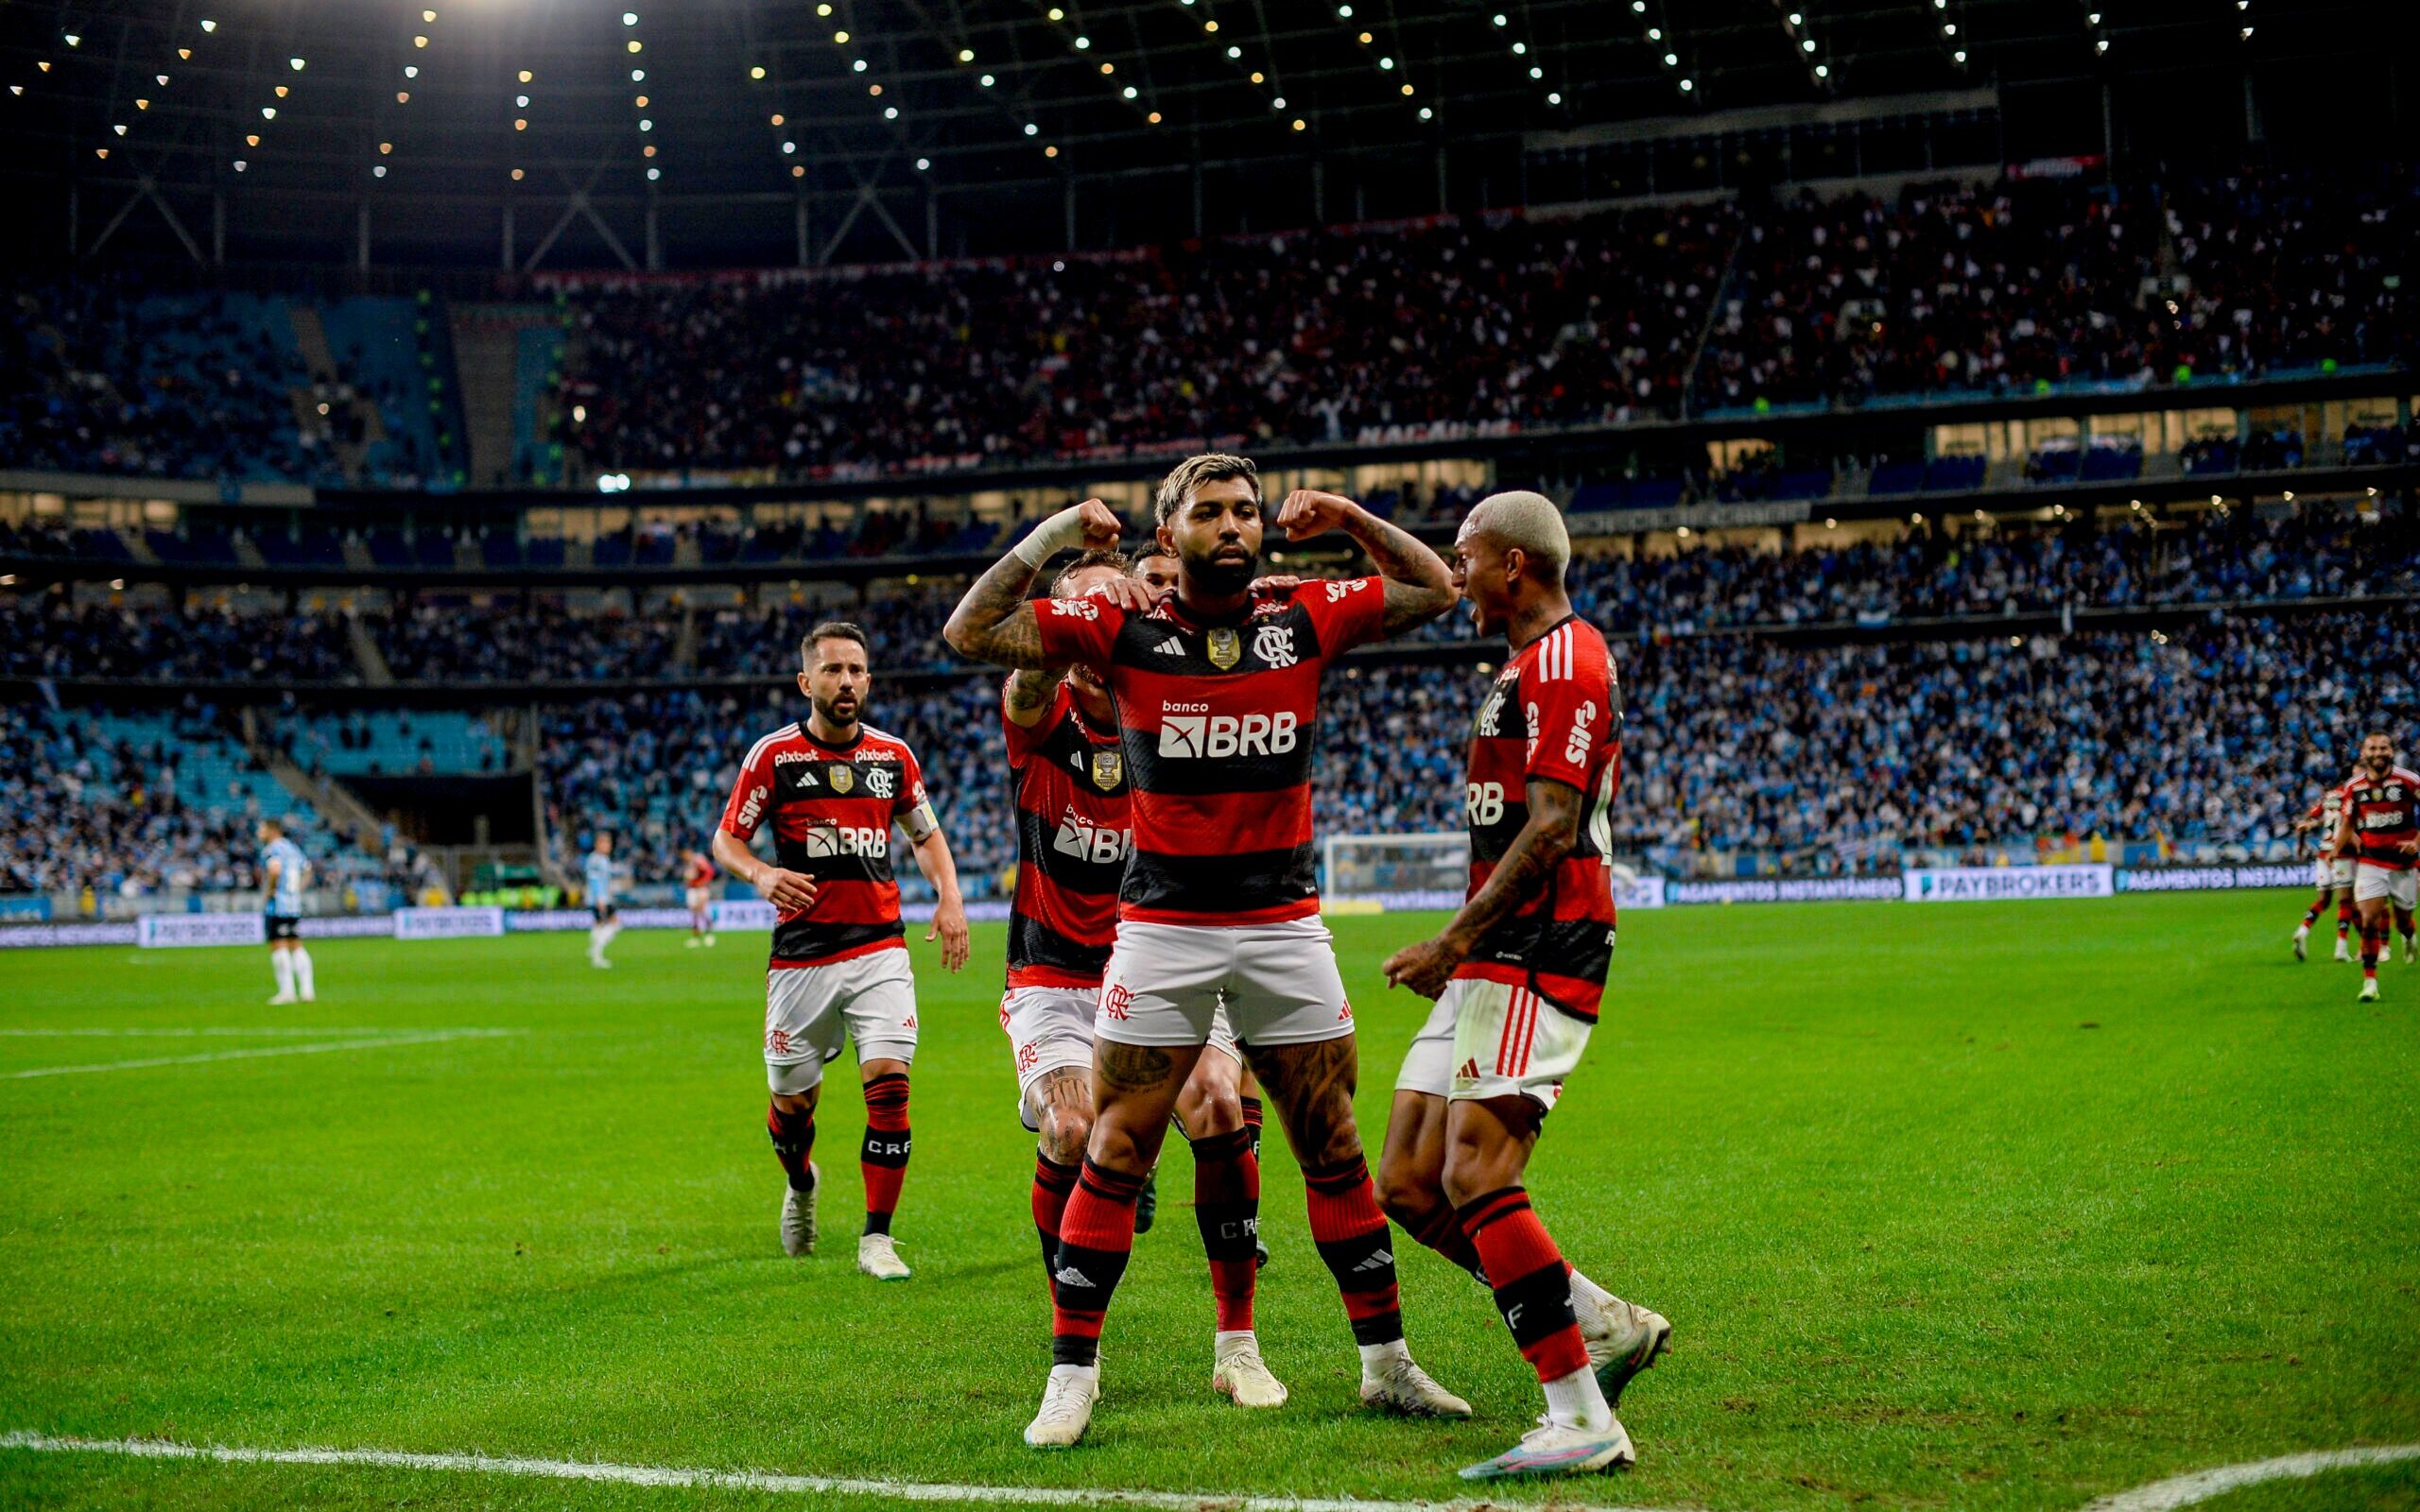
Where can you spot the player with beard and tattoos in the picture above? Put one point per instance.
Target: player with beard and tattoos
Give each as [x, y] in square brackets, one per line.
[831, 788]
[1074, 830]
[1217, 705]
[2379, 827]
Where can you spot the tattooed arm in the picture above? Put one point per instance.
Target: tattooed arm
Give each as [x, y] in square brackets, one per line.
[1551, 834]
[1028, 696]
[1418, 586]
[994, 622]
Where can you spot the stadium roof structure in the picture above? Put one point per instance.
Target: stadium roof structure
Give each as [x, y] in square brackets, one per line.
[673, 133]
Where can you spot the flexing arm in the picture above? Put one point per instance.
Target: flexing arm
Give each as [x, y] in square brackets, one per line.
[994, 622]
[1418, 587]
[1551, 834]
[788, 891]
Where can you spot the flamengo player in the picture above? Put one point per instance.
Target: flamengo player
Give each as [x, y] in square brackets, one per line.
[2331, 873]
[1074, 830]
[1517, 975]
[698, 882]
[831, 788]
[2380, 830]
[1217, 702]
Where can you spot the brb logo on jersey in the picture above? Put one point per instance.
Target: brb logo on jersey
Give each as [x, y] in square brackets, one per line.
[1097, 843]
[1195, 733]
[847, 840]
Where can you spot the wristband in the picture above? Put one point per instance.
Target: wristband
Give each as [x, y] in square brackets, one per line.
[1059, 532]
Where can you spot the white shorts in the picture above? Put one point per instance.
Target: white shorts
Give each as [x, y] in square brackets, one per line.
[2401, 888]
[870, 999]
[1493, 1040]
[698, 898]
[2328, 873]
[1278, 983]
[1050, 1029]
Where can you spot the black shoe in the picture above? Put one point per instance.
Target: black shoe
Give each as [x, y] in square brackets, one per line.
[1147, 1206]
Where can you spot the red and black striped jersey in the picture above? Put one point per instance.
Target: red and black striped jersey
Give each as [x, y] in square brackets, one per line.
[1553, 715]
[2385, 814]
[1218, 723]
[1072, 838]
[831, 808]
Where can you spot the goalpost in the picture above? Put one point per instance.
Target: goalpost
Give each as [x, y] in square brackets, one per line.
[1434, 862]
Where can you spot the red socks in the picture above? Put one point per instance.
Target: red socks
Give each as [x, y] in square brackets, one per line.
[1226, 1204]
[883, 1156]
[793, 1143]
[1535, 1296]
[1351, 1234]
[1053, 1184]
[1096, 1240]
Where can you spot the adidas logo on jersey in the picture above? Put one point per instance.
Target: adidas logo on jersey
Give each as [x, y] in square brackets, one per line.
[1171, 647]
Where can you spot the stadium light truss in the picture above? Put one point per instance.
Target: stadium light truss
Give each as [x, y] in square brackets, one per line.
[1070, 28]
[634, 47]
[421, 36]
[1261, 80]
[1388, 58]
[1950, 21]
[1665, 50]
[1798, 26]
[121, 130]
[1525, 57]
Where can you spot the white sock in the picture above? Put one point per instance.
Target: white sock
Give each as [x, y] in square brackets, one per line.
[1084, 1372]
[2302, 932]
[281, 965]
[597, 938]
[1576, 1401]
[301, 960]
[1227, 1341]
[1588, 1301]
[1375, 1357]
[611, 930]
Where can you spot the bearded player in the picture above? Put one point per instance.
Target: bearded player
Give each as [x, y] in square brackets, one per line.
[831, 788]
[1157, 570]
[1218, 703]
[1074, 829]
[2381, 829]
[1517, 975]
[2332, 873]
[698, 883]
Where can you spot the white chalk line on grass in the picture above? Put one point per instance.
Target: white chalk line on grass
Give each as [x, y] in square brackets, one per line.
[569, 1470]
[2160, 1496]
[289, 1030]
[2202, 1486]
[365, 1042]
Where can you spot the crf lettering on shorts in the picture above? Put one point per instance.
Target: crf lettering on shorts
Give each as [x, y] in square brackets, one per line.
[847, 840]
[1099, 844]
[1212, 736]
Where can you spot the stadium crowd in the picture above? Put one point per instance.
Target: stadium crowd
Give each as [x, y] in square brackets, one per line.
[121, 818]
[1344, 335]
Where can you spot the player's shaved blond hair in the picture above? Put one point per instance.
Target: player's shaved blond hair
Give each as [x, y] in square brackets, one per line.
[1525, 519]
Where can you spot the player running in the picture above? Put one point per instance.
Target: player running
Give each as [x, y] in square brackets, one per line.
[1217, 704]
[2332, 873]
[831, 788]
[1074, 829]
[1517, 975]
[285, 872]
[2380, 828]
[604, 918]
[697, 886]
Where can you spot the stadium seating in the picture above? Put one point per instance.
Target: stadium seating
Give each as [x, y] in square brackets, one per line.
[393, 743]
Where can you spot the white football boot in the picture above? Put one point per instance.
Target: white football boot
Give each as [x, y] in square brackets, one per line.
[798, 1214]
[1551, 1448]
[1067, 1408]
[2301, 937]
[2343, 951]
[2368, 990]
[1396, 1384]
[879, 1258]
[1242, 1374]
[1623, 1338]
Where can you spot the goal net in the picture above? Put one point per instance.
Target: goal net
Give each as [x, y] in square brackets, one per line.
[1397, 863]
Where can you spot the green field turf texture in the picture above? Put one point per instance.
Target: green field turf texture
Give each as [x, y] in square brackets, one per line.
[1987, 1205]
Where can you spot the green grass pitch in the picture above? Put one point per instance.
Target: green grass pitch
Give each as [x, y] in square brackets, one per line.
[1973, 1206]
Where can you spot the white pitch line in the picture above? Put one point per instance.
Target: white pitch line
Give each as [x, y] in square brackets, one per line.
[289, 1029]
[431, 1037]
[2202, 1486]
[566, 1470]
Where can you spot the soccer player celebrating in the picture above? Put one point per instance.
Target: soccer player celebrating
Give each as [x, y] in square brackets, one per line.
[604, 919]
[1517, 975]
[2332, 873]
[698, 884]
[284, 872]
[2380, 828]
[1074, 829]
[1217, 702]
[831, 788]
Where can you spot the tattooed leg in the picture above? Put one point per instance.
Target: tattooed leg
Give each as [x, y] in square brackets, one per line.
[1064, 1098]
[1134, 1092]
[1311, 1087]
